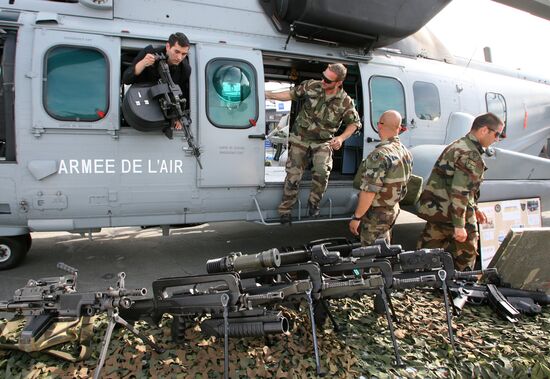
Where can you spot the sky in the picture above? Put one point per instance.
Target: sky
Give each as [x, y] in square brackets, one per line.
[518, 40]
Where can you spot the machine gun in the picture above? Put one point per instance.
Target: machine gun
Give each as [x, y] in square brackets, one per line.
[173, 105]
[48, 301]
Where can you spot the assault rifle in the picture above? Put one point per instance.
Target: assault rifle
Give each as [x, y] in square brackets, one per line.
[48, 301]
[414, 269]
[509, 303]
[422, 268]
[433, 268]
[233, 309]
[173, 105]
[331, 277]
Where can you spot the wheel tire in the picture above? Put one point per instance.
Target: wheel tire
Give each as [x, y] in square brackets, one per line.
[12, 251]
[28, 240]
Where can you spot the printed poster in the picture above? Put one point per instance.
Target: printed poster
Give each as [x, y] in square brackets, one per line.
[501, 217]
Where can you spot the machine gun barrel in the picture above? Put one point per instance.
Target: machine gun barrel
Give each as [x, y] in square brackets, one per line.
[238, 262]
[126, 292]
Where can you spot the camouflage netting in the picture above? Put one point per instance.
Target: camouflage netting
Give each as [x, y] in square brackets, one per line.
[488, 347]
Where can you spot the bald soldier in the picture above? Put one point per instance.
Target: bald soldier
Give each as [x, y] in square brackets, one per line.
[449, 200]
[384, 184]
[326, 106]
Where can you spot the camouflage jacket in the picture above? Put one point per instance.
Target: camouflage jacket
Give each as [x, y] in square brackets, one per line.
[452, 191]
[321, 115]
[387, 170]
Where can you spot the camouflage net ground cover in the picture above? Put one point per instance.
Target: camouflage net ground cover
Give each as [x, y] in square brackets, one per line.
[488, 347]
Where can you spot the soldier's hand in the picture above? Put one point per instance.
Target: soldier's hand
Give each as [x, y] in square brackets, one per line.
[336, 143]
[148, 60]
[177, 125]
[481, 217]
[354, 227]
[460, 235]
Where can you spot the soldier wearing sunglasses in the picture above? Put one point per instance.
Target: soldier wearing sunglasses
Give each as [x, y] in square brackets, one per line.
[449, 200]
[325, 107]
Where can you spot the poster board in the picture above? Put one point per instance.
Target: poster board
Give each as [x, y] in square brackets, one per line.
[501, 217]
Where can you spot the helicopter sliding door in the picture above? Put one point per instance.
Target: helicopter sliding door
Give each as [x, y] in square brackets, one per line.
[231, 116]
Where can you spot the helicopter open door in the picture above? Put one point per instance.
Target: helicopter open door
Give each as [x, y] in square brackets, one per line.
[232, 117]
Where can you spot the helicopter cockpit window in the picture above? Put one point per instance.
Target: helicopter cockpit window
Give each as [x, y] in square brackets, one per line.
[426, 101]
[231, 98]
[76, 86]
[497, 105]
[385, 93]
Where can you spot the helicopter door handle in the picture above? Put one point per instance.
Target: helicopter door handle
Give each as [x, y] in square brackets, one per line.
[257, 136]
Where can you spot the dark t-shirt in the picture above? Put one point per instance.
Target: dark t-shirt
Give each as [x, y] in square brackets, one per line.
[180, 73]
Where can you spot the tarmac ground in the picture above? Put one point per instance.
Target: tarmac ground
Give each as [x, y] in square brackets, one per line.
[145, 255]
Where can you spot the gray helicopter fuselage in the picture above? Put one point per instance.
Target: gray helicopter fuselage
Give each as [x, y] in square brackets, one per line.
[69, 169]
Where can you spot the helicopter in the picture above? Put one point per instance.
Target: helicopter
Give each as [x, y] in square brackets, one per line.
[70, 160]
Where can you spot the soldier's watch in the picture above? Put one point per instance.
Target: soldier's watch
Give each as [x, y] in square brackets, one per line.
[355, 218]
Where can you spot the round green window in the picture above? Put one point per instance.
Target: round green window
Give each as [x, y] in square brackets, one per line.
[232, 84]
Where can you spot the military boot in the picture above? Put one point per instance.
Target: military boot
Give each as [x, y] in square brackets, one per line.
[286, 218]
[314, 210]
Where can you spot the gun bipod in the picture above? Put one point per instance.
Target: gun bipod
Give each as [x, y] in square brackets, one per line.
[114, 319]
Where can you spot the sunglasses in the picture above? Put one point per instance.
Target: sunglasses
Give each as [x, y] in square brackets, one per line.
[497, 133]
[327, 80]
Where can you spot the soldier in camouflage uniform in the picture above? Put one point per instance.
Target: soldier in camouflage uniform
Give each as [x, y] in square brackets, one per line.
[449, 200]
[384, 183]
[326, 105]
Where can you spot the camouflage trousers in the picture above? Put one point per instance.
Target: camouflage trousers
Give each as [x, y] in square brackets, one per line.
[437, 235]
[377, 223]
[298, 160]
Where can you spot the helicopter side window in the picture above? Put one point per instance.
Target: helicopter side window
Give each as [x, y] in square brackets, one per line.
[426, 101]
[76, 85]
[231, 93]
[497, 105]
[385, 93]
